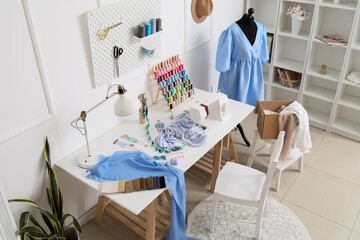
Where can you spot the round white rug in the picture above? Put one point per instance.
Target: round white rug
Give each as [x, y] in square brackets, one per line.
[279, 223]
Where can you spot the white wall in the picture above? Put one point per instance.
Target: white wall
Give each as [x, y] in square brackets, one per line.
[61, 33]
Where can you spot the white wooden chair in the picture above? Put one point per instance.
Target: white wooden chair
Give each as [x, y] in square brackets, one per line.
[243, 185]
[8, 228]
[294, 155]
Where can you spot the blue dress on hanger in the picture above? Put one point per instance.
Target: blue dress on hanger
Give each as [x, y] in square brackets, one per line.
[240, 64]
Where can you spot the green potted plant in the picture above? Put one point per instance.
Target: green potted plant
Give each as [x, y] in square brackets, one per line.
[30, 228]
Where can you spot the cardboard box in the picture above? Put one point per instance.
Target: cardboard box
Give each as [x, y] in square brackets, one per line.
[268, 124]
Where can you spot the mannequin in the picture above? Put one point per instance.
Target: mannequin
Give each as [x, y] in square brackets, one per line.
[242, 49]
[248, 26]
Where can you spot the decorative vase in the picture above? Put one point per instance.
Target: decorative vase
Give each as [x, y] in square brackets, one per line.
[295, 26]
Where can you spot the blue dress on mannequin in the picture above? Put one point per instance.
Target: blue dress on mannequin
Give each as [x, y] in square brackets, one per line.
[240, 64]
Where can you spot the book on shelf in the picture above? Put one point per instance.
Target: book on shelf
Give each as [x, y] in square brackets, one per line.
[333, 39]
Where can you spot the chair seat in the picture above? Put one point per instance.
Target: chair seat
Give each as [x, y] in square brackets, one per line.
[239, 181]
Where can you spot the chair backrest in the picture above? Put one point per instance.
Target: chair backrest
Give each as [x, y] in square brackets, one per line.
[8, 228]
[274, 160]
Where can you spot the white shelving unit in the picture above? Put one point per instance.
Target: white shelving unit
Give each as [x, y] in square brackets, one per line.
[290, 50]
[346, 117]
[321, 90]
[332, 102]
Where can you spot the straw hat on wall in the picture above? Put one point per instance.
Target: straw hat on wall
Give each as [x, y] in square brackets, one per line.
[200, 9]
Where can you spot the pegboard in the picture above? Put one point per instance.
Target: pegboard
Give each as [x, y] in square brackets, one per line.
[131, 14]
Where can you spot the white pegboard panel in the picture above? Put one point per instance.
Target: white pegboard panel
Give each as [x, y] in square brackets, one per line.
[131, 14]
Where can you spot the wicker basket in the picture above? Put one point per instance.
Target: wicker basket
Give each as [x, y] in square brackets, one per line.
[289, 83]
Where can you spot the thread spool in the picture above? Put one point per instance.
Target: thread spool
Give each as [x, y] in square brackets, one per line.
[148, 29]
[141, 31]
[153, 25]
[158, 24]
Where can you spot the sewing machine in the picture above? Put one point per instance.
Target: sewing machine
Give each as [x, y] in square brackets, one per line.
[214, 106]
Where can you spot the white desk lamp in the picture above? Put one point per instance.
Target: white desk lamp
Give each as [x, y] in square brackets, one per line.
[125, 105]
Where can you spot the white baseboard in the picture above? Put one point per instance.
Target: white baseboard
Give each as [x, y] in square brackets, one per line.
[86, 216]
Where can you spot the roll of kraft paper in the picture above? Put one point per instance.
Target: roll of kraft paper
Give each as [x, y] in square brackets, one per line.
[158, 24]
[153, 25]
[148, 29]
[141, 31]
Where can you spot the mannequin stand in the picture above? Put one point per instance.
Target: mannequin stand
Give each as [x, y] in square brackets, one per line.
[243, 134]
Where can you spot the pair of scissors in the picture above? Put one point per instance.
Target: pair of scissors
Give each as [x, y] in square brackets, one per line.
[102, 33]
[116, 54]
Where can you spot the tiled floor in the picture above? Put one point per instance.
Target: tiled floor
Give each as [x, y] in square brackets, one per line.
[326, 196]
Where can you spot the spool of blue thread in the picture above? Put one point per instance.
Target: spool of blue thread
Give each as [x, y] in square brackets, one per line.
[148, 29]
[153, 25]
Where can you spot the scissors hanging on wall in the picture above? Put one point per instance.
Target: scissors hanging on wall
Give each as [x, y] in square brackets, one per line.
[102, 33]
[116, 54]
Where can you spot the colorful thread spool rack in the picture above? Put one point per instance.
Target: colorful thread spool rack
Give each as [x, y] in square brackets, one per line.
[173, 81]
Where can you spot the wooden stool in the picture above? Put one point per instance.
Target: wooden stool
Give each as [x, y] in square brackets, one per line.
[294, 155]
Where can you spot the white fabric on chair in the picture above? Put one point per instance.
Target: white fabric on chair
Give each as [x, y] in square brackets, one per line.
[302, 138]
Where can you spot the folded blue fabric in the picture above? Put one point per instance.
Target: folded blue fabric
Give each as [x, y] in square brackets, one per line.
[185, 129]
[126, 165]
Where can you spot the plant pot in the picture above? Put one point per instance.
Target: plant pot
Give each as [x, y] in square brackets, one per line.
[72, 234]
[295, 26]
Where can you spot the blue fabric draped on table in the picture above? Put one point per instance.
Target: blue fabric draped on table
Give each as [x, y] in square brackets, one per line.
[127, 165]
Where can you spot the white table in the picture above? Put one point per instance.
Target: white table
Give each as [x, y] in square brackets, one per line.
[136, 202]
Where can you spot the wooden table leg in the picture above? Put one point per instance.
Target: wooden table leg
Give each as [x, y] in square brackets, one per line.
[160, 200]
[232, 150]
[100, 209]
[167, 194]
[216, 164]
[150, 220]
